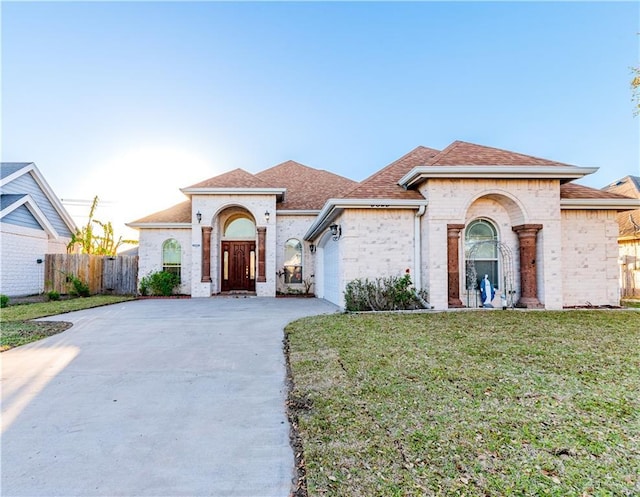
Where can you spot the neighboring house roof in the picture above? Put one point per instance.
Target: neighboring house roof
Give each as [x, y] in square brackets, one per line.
[461, 153]
[29, 201]
[628, 222]
[7, 200]
[307, 188]
[179, 213]
[384, 183]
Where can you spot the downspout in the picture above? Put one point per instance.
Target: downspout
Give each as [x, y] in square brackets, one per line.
[417, 247]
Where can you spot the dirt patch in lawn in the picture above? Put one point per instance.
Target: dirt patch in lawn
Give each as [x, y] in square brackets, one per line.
[16, 333]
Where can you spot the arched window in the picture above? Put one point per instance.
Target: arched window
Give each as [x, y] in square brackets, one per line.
[171, 257]
[481, 253]
[293, 261]
[239, 228]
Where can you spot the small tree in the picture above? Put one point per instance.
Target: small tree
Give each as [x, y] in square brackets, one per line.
[95, 242]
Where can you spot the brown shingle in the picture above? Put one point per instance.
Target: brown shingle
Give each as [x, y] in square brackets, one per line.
[628, 221]
[307, 188]
[384, 183]
[180, 213]
[461, 153]
[571, 190]
[238, 178]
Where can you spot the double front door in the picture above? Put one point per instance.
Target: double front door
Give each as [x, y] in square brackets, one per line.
[238, 266]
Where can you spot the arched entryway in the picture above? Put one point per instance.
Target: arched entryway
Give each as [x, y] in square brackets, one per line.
[237, 251]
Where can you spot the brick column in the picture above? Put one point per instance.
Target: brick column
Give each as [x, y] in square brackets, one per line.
[453, 263]
[528, 240]
[206, 254]
[262, 256]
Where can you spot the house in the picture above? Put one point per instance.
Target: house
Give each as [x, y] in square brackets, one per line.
[33, 223]
[628, 237]
[449, 217]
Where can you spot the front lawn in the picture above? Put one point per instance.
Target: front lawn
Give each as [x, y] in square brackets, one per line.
[17, 329]
[482, 403]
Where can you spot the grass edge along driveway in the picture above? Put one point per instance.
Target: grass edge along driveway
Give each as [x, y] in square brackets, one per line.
[468, 403]
[16, 327]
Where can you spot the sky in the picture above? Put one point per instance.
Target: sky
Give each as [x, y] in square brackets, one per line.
[132, 101]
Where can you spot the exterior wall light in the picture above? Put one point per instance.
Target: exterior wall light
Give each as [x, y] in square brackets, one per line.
[199, 216]
[267, 216]
[336, 231]
[312, 248]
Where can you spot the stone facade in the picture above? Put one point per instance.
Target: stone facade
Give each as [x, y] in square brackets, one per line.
[589, 266]
[150, 253]
[294, 227]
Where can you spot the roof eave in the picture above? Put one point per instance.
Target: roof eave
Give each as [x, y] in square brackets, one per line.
[618, 204]
[421, 173]
[159, 225]
[334, 206]
[278, 192]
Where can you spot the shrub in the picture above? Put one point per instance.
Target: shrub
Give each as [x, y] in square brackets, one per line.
[159, 283]
[53, 295]
[78, 287]
[4, 301]
[382, 294]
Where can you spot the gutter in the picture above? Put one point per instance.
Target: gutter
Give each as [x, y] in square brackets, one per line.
[335, 206]
[417, 247]
[618, 204]
[420, 173]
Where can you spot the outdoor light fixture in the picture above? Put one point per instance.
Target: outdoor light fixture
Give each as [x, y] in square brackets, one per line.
[199, 216]
[266, 216]
[336, 231]
[312, 248]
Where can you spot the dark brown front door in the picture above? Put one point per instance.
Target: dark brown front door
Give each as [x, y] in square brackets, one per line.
[238, 266]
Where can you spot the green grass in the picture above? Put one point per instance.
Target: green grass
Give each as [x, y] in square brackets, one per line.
[469, 403]
[635, 304]
[17, 329]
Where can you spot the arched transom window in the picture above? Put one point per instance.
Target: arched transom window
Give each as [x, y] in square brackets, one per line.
[171, 256]
[481, 253]
[239, 228]
[293, 261]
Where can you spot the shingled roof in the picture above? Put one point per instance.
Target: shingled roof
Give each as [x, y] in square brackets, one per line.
[307, 188]
[180, 213]
[238, 178]
[572, 190]
[384, 183]
[461, 153]
[629, 221]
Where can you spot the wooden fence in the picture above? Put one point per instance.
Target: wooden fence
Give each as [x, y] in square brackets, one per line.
[104, 274]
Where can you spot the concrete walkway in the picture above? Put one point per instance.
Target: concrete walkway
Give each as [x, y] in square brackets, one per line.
[153, 398]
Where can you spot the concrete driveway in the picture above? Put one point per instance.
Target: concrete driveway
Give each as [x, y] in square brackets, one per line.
[153, 397]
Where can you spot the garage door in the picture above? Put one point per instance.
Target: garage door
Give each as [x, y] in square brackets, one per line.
[331, 272]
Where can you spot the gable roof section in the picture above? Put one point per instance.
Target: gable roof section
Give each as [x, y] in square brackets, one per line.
[238, 178]
[461, 153]
[177, 214]
[11, 203]
[24, 178]
[307, 188]
[384, 183]
[628, 222]
[470, 161]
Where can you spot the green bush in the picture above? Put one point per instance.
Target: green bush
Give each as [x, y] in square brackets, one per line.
[78, 287]
[159, 283]
[383, 294]
[4, 301]
[53, 295]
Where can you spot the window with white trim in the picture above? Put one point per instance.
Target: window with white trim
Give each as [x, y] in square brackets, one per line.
[172, 257]
[481, 253]
[293, 261]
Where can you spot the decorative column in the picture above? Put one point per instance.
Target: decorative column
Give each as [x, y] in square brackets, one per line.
[262, 233]
[206, 254]
[528, 240]
[453, 263]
